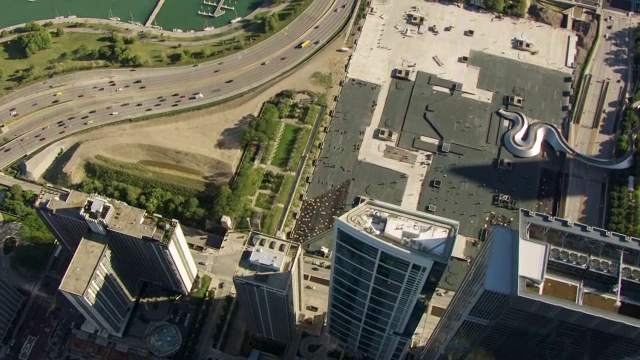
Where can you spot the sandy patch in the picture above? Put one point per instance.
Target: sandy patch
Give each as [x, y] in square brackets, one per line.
[206, 141]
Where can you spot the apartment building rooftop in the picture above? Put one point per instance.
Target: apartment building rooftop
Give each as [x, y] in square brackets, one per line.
[423, 233]
[270, 261]
[593, 268]
[83, 264]
[117, 215]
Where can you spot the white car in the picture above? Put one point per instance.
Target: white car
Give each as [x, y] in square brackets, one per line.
[200, 96]
[13, 113]
[119, 89]
[114, 113]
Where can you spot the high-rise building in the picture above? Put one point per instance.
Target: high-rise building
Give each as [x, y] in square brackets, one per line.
[269, 288]
[550, 289]
[10, 302]
[94, 288]
[138, 248]
[387, 262]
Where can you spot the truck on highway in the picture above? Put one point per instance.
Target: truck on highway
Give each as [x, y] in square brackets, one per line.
[58, 93]
[88, 122]
[305, 43]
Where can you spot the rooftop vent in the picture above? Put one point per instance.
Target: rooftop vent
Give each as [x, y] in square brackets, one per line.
[515, 100]
[437, 183]
[505, 164]
[445, 147]
[431, 208]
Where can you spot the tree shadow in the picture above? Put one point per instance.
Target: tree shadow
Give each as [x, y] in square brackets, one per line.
[13, 50]
[54, 173]
[231, 138]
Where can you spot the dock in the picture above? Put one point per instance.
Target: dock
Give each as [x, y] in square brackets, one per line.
[154, 13]
[220, 7]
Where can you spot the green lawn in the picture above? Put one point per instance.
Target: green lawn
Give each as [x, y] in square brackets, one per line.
[312, 114]
[285, 145]
[283, 194]
[296, 154]
[271, 181]
[205, 282]
[265, 201]
[270, 222]
[322, 79]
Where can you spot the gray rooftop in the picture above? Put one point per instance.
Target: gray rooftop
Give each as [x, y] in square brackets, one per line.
[252, 267]
[82, 266]
[464, 181]
[122, 217]
[339, 154]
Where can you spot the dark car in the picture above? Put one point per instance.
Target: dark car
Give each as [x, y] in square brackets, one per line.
[142, 87]
[228, 81]
[139, 104]
[92, 112]
[85, 117]
[283, 58]
[176, 94]
[71, 117]
[55, 101]
[7, 149]
[137, 81]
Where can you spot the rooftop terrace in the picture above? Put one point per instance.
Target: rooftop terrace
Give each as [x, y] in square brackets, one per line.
[269, 262]
[573, 262]
[117, 215]
[82, 266]
[419, 232]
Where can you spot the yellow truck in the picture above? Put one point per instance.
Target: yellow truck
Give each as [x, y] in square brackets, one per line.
[58, 93]
[305, 44]
[89, 122]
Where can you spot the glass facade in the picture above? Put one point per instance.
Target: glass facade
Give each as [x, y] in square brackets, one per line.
[371, 298]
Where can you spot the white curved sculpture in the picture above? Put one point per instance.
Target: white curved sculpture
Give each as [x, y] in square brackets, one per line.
[525, 140]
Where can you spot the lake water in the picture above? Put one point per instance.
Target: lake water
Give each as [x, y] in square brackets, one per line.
[174, 14]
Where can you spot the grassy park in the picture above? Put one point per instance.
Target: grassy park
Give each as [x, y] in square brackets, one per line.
[78, 46]
[286, 145]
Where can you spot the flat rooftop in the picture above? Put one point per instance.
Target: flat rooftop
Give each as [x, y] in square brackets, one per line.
[419, 232]
[83, 265]
[270, 262]
[574, 262]
[118, 215]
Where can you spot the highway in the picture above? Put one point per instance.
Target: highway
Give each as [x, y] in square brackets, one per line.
[40, 114]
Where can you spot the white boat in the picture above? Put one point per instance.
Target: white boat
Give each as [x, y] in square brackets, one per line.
[344, 49]
[236, 20]
[31, 0]
[178, 30]
[71, 17]
[114, 18]
[209, 28]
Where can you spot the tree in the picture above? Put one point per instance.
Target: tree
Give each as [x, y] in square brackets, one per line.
[81, 51]
[31, 26]
[496, 5]
[33, 42]
[270, 24]
[187, 52]
[59, 32]
[4, 33]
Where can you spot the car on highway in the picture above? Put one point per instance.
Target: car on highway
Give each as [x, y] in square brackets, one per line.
[318, 42]
[7, 149]
[59, 93]
[228, 81]
[45, 128]
[13, 113]
[37, 136]
[265, 62]
[92, 112]
[81, 95]
[183, 96]
[43, 139]
[109, 107]
[283, 58]
[139, 104]
[174, 105]
[63, 131]
[216, 71]
[114, 113]
[311, 287]
[142, 87]
[125, 104]
[201, 263]
[85, 117]
[101, 89]
[149, 109]
[176, 94]
[137, 81]
[89, 122]
[71, 117]
[119, 89]
[157, 105]
[55, 101]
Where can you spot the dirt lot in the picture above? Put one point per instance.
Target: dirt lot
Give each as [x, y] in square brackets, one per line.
[203, 143]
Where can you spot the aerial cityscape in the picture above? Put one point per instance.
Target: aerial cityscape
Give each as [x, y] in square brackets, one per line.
[320, 179]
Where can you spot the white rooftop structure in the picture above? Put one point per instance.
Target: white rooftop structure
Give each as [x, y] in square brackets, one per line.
[271, 259]
[423, 232]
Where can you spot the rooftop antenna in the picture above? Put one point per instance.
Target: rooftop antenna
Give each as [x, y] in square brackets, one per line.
[618, 301]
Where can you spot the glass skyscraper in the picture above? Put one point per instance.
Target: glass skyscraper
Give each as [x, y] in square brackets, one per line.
[387, 263]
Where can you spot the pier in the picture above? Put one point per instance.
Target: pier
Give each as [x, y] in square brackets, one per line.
[154, 13]
[220, 8]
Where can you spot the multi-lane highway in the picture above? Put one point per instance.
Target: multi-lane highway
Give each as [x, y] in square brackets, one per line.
[45, 112]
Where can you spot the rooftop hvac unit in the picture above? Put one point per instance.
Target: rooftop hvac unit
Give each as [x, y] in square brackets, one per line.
[431, 208]
[604, 266]
[445, 147]
[594, 264]
[583, 260]
[635, 273]
[554, 254]
[626, 272]
[564, 255]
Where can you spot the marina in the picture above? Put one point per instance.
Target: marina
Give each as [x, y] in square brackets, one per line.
[172, 15]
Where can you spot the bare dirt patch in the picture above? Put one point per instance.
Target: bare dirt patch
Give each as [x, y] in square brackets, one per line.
[202, 143]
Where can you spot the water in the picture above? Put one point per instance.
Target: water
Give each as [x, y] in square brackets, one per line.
[20, 11]
[180, 14]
